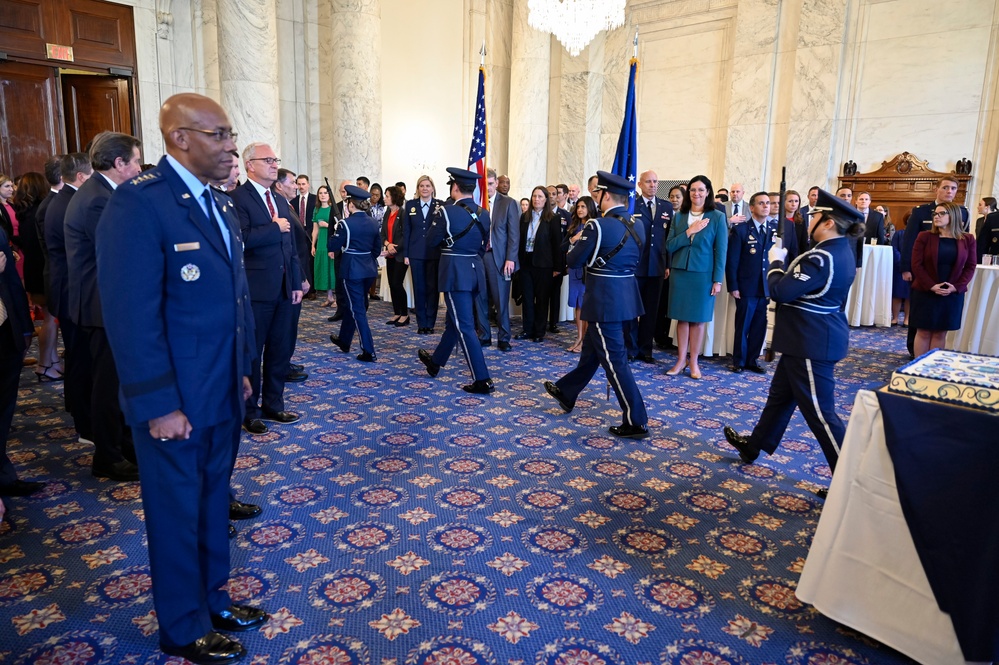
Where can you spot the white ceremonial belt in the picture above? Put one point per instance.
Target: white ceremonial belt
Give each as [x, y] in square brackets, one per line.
[812, 309]
[444, 251]
[606, 274]
[348, 251]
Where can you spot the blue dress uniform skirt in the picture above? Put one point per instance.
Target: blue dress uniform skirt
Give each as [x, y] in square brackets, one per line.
[689, 296]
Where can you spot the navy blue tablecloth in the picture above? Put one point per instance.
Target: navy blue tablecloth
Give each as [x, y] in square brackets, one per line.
[946, 461]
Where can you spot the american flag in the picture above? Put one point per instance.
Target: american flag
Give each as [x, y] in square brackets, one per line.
[477, 152]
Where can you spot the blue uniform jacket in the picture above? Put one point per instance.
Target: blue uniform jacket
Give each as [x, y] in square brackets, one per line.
[655, 258]
[272, 266]
[746, 265]
[361, 243]
[612, 292]
[80, 230]
[176, 307]
[415, 229]
[812, 291]
[462, 266]
[705, 252]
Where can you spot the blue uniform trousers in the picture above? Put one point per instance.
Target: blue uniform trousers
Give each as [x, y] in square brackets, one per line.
[460, 329]
[750, 330]
[274, 344]
[426, 297]
[639, 333]
[356, 316]
[603, 346]
[811, 386]
[185, 498]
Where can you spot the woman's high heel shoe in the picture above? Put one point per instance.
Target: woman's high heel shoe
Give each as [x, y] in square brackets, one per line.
[328, 303]
[45, 377]
[676, 372]
[402, 322]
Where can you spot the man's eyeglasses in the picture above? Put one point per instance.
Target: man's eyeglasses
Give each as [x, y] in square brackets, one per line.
[270, 161]
[219, 134]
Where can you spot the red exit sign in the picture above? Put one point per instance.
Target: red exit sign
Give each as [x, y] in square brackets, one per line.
[59, 52]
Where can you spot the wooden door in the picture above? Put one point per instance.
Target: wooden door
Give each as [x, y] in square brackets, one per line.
[29, 117]
[93, 104]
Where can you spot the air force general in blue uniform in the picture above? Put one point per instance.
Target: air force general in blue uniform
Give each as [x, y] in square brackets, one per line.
[810, 332]
[610, 248]
[177, 314]
[359, 238]
[461, 231]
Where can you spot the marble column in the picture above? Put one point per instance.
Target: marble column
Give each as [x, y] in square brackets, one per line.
[357, 102]
[530, 67]
[574, 141]
[248, 69]
[499, 36]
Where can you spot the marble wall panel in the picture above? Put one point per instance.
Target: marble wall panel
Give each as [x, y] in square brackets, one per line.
[910, 18]
[745, 156]
[816, 83]
[939, 139]
[529, 102]
[755, 28]
[808, 158]
[822, 22]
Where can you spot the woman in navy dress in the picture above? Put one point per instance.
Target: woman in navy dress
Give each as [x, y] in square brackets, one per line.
[900, 289]
[584, 210]
[697, 243]
[943, 263]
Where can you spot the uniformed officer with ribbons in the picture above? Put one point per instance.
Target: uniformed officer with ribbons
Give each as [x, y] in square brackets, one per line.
[461, 232]
[610, 249]
[810, 331]
[357, 236]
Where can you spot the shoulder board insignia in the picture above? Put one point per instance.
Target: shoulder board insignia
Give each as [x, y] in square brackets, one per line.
[148, 175]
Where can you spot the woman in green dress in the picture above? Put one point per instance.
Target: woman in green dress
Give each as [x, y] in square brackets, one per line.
[325, 278]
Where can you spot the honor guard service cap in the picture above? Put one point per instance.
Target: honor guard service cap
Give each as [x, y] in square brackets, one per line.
[614, 183]
[462, 177]
[356, 192]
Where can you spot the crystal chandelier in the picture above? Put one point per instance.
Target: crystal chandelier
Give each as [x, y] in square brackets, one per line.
[575, 22]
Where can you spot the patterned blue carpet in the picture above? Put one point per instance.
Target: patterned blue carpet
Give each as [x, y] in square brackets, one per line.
[408, 522]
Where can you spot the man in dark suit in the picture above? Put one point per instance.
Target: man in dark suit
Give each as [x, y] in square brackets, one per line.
[16, 330]
[285, 186]
[182, 337]
[875, 225]
[921, 219]
[116, 160]
[609, 248]
[988, 239]
[75, 168]
[304, 204]
[813, 196]
[656, 215]
[462, 231]
[501, 262]
[745, 272]
[53, 174]
[275, 280]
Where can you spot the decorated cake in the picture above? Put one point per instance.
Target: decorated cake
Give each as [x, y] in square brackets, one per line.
[964, 379]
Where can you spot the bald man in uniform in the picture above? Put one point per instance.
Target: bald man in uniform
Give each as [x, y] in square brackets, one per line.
[184, 368]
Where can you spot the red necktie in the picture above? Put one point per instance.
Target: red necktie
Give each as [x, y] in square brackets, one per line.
[301, 208]
[270, 204]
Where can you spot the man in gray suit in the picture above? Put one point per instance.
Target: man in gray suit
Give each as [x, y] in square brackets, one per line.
[501, 263]
[736, 209]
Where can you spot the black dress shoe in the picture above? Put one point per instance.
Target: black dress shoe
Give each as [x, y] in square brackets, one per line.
[553, 328]
[366, 357]
[559, 396]
[281, 416]
[537, 339]
[243, 511]
[735, 369]
[232, 531]
[646, 358]
[433, 369]
[338, 344]
[629, 431]
[822, 494]
[504, 346]
[391, 322]
[484, 343]
[523, 335]
[295, 367]
[212, 649]
[631, 357]
[123, 471]
[295, 377]
[336, 317]
[480, 387]
[239, 618]
[421, 331]
[747, 453]
[255, 426]
[20, 488]
[757, 369]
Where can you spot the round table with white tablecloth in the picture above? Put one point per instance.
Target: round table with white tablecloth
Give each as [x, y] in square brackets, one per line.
[979, 332]
[869, 302]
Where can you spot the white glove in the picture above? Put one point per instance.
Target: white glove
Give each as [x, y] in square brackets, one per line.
[777, 254]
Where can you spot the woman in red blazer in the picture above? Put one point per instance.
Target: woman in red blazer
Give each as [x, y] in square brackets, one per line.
[943, 263]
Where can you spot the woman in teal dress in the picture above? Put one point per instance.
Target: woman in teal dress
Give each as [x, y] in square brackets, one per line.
[697, 243]
[325, 278]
